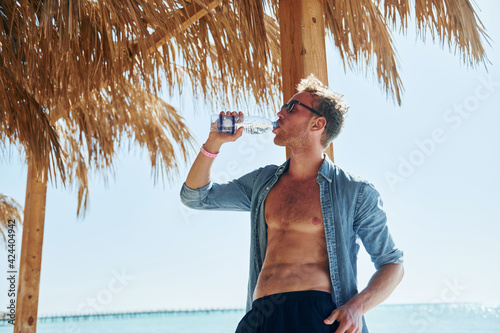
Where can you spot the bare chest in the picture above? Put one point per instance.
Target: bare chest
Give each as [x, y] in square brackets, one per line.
[292, 204]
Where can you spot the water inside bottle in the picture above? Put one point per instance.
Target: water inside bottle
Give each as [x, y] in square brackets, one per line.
[257, 128]
[251, 125]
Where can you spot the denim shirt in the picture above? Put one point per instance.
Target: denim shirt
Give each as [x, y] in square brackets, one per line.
[351, 208]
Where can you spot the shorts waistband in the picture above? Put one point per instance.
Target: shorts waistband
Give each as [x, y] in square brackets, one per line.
[302, 294]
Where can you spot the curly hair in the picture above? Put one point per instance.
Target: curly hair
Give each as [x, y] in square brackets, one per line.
[330, 104]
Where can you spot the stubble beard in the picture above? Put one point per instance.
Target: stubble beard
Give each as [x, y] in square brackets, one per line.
[294, 138]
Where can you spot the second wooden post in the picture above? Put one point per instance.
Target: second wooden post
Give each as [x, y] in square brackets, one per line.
[302, 31]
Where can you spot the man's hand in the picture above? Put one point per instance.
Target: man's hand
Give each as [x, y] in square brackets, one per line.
[215, 139]
[350, 318]
[199, 175]
[380, 286]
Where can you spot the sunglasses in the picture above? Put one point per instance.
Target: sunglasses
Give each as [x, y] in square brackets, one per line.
[289, 107]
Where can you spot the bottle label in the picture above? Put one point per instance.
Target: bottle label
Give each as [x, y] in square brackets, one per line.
[226, 124]
[220, 123]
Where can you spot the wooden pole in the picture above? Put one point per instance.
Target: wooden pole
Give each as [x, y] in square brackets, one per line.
[31, 251]
[302, 37]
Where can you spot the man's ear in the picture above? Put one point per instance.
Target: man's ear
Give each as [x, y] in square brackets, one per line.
[318, 123]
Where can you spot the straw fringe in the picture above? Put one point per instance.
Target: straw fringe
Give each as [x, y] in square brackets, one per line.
[455, 23]
[10, 209]
[359, 31]
[96, 131]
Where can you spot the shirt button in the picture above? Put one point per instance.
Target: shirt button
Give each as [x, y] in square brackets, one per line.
[267, 188]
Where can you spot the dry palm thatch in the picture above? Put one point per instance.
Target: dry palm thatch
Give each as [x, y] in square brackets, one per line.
[360, 29]
[85, 74]
[89, 72]
[9, 210]
[101, 127]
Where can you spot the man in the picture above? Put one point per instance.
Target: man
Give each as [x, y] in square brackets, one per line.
[306, 216]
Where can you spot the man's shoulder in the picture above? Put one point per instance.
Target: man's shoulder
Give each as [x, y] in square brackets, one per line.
[335, 173]
[347, 176]
[348, 180]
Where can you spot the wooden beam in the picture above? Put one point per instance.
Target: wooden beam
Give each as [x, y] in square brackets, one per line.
[190, 13]
[303, 51]
[31, 250]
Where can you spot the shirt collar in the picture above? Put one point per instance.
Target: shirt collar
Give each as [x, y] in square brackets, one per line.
[282, 168]
[325, 170]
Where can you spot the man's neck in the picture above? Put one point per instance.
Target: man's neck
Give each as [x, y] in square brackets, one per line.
[305, 164]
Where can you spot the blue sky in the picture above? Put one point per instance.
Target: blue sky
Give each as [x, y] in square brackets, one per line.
[435, 161]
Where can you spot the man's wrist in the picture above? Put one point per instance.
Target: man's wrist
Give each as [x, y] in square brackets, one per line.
[358, 303]
[212, 147]
[207, 153]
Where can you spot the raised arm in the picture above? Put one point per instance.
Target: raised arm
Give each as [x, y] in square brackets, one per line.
[199, 174]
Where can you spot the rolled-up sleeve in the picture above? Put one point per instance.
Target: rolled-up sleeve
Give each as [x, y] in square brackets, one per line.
[191, 197]
[370, 224]
[234, 195]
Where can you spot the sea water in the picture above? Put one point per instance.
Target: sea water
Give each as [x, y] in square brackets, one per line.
[411, 318]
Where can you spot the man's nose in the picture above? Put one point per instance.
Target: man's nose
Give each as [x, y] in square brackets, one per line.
[280, 114]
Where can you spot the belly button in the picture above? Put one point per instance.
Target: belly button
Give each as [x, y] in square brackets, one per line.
[316, 221]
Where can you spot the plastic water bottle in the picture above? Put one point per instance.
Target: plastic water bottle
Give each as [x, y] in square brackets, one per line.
[252, 125]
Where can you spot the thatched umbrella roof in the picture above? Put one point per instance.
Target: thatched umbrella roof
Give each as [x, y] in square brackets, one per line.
[85, 73]
[78, 79]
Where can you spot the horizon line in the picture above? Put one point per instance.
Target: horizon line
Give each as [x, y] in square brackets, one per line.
[4, 317]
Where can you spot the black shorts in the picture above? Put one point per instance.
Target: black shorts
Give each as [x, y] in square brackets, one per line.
[291, 312]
